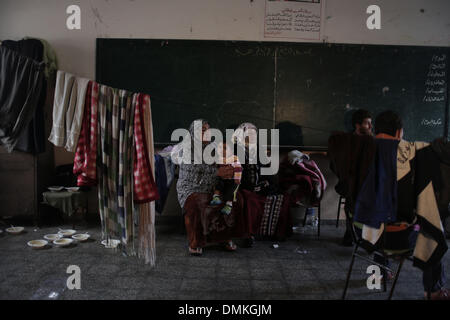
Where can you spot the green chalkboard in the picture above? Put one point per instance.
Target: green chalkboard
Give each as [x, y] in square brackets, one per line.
[305, 90]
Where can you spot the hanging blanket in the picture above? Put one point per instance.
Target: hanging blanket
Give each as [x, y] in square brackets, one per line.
[115, 164]
[145, 189]
[84, 166]
[147, 241]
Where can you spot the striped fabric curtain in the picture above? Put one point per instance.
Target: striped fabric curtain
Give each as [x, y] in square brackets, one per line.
[125, 171]
[115, 165]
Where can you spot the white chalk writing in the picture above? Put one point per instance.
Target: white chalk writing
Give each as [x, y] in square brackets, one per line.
[435, 86]
[431, 122]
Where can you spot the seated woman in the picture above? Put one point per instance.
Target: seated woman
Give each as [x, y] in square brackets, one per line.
[266, 209]
[195, 186]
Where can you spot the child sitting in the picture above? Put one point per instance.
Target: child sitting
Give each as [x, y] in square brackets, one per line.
[226, 188]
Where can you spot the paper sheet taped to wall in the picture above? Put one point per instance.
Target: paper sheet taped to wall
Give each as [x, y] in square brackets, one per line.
[293, 19]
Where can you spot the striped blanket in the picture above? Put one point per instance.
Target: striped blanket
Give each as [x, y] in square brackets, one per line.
[272, 209]
[124, 172]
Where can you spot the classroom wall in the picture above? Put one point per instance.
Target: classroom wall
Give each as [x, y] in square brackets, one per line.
[404, 22]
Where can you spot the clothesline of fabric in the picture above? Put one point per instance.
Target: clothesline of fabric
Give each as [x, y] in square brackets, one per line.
[111, 132]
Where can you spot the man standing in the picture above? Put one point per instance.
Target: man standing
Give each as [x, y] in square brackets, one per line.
[362, 122]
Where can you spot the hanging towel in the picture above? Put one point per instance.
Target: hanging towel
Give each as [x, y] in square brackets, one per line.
[84, 166]
[64, 96]
[21, 82]
[74, 115]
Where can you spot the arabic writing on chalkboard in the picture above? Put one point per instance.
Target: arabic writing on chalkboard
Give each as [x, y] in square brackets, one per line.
[435, 86]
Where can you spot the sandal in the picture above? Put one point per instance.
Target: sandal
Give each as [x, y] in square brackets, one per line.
[195, 251]
[443, 294]
[229, 246]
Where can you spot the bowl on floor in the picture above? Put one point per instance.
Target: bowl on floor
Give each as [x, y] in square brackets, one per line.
[37, 244]
[67, 232]
[15, 230]
[111, 244]
[52, 236]
[63, 242]
[81, 237]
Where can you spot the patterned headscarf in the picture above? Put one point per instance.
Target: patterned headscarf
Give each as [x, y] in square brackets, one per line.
[246, 129]
[195, 177]
[191, 137]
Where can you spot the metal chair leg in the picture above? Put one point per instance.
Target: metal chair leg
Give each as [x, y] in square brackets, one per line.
[397, 274]
[306, 215]
[338, 211]
[318, 222]
[349, 272]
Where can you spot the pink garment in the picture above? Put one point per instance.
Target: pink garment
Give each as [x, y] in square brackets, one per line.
[145, 189]
[84, 164]
[304, 180]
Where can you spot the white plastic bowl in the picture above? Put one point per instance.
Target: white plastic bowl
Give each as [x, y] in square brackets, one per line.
[15, 230]
[62, 242]
[55, 188]
[67, 232]
[80, 237]
[52, 237]
[73, 189]
[113, 243]
[37, 244]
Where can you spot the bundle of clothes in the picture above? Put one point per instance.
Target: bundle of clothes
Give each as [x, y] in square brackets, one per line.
[111, 132]
[395, 185]
[25, 68]
[302, 178]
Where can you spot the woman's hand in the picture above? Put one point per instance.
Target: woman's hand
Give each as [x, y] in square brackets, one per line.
[225, 172]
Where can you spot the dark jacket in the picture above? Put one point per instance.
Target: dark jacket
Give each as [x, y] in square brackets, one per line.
[350, 157]
[376, 202]
[32, 139]
[21, 82]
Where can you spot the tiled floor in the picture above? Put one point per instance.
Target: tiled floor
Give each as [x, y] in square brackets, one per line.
[302, 267]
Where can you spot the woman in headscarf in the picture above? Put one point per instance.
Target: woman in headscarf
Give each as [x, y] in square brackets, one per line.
[266, 210]
[195, 187]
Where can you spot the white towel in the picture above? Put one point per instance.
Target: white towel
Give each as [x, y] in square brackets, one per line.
[74, 116]
[62, 98]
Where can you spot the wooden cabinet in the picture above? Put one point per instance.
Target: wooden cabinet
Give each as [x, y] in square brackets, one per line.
[24, 176]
